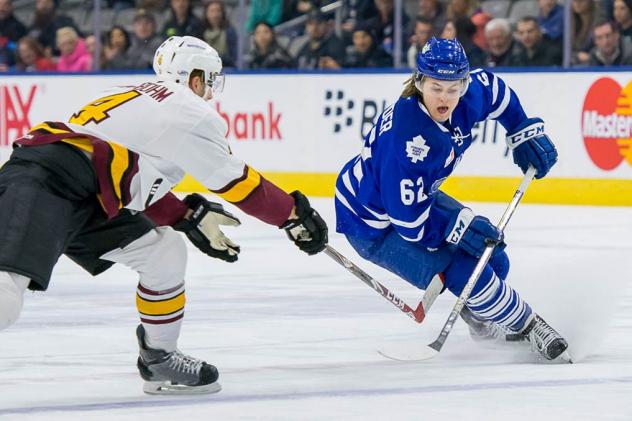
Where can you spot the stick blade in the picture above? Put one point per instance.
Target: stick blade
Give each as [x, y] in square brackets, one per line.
[422, 353]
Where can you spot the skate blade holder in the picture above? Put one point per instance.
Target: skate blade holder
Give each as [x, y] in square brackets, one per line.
[167, 388]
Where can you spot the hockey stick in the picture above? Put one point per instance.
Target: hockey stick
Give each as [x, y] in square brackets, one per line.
[418, 315]
[431, 350]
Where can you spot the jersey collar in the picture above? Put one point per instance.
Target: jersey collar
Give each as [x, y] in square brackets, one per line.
[425, 110]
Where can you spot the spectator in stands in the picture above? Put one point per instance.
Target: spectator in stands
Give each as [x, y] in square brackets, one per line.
[422, 32]
[585, 13]
[144, 40]
[535, 49]
[154, 6]
[265, 52]
[471, 9]
[10, 27]
[218, 32]
[610, 48]
[182, 21]
[433, 11]
[551, 19]
[116, 49]
[269, 11]
[11, 30]
[383, 25]
[322, 43]
[364, 52]
[296, 8]
[500, 42]
[46, 23]
[463, 29]
[622, 11]
[121, 4]
[31, 57]
[91, 46]
[74, 55]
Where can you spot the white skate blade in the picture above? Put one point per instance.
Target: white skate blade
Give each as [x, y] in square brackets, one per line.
[565, 357]
[166, 388]
[421, 353]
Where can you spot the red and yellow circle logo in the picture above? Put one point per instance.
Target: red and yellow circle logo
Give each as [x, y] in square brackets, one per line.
[607, 123]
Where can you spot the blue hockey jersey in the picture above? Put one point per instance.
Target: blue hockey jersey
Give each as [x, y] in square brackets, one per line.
[394, 181]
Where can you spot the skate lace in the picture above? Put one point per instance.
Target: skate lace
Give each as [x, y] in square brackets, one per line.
[541, 336]
[184, 363]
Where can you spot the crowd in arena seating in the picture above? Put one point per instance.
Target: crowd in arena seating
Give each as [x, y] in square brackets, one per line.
[45, 35]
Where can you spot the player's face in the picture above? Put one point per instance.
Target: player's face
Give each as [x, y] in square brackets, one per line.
[441, 97]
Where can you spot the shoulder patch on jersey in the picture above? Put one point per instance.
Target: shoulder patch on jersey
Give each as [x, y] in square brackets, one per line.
[416, 149]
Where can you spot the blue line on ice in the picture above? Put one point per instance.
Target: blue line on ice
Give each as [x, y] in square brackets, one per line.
[213, 399]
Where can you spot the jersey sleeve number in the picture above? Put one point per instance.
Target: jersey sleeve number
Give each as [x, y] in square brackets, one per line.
[412, 192]
[97, 111]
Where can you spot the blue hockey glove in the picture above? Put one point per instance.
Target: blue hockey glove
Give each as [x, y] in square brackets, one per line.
[500, 263]
[531, 146]
[472, 234]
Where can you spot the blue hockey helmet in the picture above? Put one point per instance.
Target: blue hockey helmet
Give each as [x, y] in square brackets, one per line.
[443, 59]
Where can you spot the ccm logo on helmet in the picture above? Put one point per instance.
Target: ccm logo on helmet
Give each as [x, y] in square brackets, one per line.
[446, 71]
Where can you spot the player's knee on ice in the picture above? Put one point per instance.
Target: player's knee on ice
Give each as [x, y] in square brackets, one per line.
[462, 265]
[12, 289]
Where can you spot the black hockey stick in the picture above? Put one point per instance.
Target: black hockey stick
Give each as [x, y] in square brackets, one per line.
[431, 350]
[418, 315]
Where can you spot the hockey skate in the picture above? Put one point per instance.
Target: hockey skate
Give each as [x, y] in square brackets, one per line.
[545, 340]
[174, 373]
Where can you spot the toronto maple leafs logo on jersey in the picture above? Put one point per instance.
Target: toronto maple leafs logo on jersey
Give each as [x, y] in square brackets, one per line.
[417, 149]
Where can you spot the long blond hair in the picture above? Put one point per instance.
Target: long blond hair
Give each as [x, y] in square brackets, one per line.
[410, 88]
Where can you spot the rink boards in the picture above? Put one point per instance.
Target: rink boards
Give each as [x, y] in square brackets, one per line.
[299, 129]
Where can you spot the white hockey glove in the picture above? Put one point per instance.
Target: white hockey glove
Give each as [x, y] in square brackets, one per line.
[202, 228]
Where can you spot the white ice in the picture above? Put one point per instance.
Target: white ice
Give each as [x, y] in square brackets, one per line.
[295, 337]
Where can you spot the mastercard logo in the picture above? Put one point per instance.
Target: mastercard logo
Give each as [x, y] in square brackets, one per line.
[607, 123]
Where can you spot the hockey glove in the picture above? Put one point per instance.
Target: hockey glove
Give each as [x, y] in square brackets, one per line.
[472, 234]
[309, 231]
[202, 228]
[531, 147]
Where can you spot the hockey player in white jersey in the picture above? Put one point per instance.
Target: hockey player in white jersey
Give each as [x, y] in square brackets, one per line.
[390, 207]
[97, 188]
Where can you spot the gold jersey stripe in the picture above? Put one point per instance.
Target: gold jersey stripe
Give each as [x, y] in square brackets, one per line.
[160, 308]
[119, 165]
[48, 128]
[242, 189]
[82, 143]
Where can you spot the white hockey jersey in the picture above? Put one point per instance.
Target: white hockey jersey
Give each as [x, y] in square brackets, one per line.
[143, 140]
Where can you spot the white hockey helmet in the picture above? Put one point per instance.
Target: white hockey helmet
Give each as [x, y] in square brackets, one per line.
[177, 57]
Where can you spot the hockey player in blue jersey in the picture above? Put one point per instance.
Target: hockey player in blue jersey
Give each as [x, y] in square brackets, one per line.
[390, 208]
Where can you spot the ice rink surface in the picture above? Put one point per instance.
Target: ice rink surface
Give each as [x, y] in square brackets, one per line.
[295, 337]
